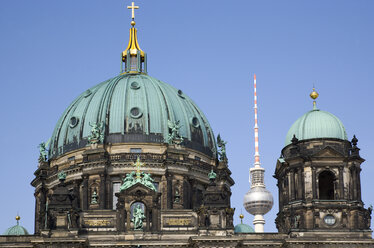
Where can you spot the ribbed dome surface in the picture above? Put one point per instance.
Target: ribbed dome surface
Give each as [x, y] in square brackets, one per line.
[243, 228]
[316, 124]
[132, 108]
[16, 230]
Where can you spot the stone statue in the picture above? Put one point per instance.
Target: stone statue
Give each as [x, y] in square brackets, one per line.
[177, 196]
[138, 217]
[96, 135]
[147, 181]
[174, 136]
[128, 181]
[43, 151]
[94, 197]
[222, 145]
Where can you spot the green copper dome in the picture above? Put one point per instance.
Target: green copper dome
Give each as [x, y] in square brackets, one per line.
[316, 124]
[16, 230]
[132, 108]
[243, 228]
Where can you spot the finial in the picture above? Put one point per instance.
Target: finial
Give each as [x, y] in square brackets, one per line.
[241, 216]
[314, 95]
[18, 218]
[133, 7]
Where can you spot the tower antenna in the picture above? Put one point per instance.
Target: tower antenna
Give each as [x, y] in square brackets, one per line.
[258, 200]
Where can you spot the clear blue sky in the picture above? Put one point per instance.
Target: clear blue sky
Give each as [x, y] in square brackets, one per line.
[51, 51]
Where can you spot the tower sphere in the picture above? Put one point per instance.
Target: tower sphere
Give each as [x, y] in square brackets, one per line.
[258, 201]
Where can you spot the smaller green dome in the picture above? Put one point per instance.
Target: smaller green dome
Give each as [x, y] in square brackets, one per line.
[243, 228]
[16, 230]
[316, 124]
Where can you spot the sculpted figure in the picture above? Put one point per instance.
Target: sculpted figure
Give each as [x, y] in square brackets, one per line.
[221, 144]
[96, 135]
[138, 217]
[128, 181]
[174, 136]
[147, 181]
[43, 150]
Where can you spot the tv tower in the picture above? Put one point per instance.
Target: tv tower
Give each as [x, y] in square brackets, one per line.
[258, 200]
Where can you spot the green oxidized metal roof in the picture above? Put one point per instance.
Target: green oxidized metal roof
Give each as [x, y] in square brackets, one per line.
[243, 228]
[316, 124]
[133, 108]
[16, 230]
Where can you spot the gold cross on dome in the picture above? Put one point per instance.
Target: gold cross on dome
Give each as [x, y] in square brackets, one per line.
[138, 164]
[133, 7]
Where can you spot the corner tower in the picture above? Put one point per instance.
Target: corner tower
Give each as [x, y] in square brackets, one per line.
[318, 177]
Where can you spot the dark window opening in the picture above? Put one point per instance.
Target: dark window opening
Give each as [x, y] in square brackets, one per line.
[326, 185]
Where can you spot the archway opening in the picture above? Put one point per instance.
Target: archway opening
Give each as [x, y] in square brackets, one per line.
[326, 185]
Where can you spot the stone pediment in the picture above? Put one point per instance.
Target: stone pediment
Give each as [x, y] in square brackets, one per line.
[136, 188]
[327, 152]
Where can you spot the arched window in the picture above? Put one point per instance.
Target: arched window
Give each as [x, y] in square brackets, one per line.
[326, 185]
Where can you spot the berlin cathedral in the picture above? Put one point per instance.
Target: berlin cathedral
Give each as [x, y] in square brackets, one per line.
[133, 162]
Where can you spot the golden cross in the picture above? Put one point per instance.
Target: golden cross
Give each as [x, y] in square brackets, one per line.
[133, 7]
[138, 164]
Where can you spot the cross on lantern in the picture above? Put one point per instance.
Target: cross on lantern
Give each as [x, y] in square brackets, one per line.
[133, 7]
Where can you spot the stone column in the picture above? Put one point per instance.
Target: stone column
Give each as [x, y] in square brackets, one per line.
[169, 186]
[341, 182]
[102, 191]
[358, 184]
[300, 185]
[292, 186]
[314, 182]
[85, 192]
[354, 182]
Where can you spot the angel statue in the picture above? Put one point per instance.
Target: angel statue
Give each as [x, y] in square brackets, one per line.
[43, 151]
[174, 136]
[96, 135]
[222, 145]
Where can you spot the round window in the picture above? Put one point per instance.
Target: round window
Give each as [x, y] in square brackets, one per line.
[136, 113]
[87, 93]
[195, 122]
[73, 121]
[135, 85]
[329, 219]
[180, 93]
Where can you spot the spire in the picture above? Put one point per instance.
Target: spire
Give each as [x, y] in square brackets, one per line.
[314, 95]
[134, 60]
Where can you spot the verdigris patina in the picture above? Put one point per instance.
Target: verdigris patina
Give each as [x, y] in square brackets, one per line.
[138, 177]
[96, 135]
[174, 135]
[43, 151]
[222, 145]
[138, 217]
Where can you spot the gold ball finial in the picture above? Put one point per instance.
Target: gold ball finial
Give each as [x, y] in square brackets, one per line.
[133, 23]
[314, 95]
[18, 217]
[241, 216]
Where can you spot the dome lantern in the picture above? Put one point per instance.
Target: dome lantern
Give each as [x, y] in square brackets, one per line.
[134, 60]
